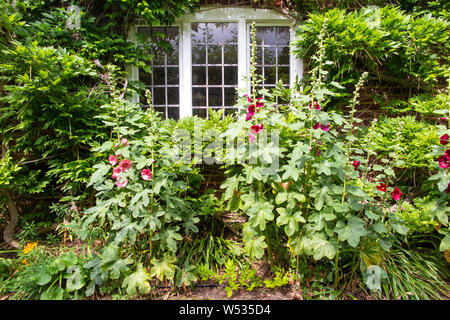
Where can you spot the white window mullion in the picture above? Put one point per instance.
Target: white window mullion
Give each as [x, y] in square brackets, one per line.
[185, 70]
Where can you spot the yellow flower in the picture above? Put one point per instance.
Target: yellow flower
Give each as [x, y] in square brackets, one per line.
[30, 246]
[24, 261]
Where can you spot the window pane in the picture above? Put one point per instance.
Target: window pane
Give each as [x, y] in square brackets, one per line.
[230, 75]
[198, 54]
[230, 96]
[230, 111]
[283, 36]
[270, 73]
[199, 112]
[269, 55]
[214, 75]
[173, 113]
[172, 75]
[230, 33]
[159, 76]
[199, 75]
[269, 36]
[283, 74]
[162, 110]
[198, 33]
[215, 54]
[173, 95]
[283, 55]
[199, 96]
[230, 54]
[215, 96]
[214, 32]
[159, 96]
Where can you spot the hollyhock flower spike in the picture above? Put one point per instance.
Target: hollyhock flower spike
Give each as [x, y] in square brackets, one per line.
[124, 165]
[146, 174]
[112, 160]
[251, 138]
[355, 164]
[444, 139]
[382, 187]
[121, 184]
[396, 194]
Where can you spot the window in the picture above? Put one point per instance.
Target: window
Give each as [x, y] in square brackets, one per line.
[163, 81]
[214, 67]
[211, 56]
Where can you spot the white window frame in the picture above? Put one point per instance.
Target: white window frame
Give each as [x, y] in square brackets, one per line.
[244, 18]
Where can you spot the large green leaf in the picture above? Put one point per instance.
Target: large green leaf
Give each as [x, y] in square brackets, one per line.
[137, 280]
[352, 231]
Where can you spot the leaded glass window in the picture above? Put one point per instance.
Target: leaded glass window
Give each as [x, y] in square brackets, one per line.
[214, 67]
[163, 81]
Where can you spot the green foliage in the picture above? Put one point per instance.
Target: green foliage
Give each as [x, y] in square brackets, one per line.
[393, 46]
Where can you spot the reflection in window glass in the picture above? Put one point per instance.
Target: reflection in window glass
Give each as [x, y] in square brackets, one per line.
[214, 67]
[163, 82]
[273, 55]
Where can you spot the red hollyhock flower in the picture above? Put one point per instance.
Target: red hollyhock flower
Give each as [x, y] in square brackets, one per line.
[316, 126]
[249, 116]
[444, 139]
[444, 160]
[325, 128]
[448, 188]
[124, 165]
[316, 105]
[382, 187]
[251, 109]
[112, 160]
[255, 129]
[259, 104]
[146, 174]
[396, 194]
[248, 98]
[355, 164]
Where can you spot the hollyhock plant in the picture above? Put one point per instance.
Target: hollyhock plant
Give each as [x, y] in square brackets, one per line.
[125, 165]
[112, 160]
[259, 104]
[121, 184]
[146, 174]
[444, 160]
[316, 126]
[444, 139]
[396, 194]
[382, 187]
[251, 109]
[355, 164]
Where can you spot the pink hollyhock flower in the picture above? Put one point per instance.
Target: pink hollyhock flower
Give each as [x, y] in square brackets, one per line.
[355, 164]
[255, 129]
[325, 128]
[118, 155]
[121, 184]
[112, 160]
[318, 153]
[146, 174]
[316, 126]
[124, 165]
[396, 194]
[316, 105]
[248, 98]
[116, 145]
[124, 142]
[382, 187]
[444, 139]
[116, 172]
[249, 116]
[251, 138]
